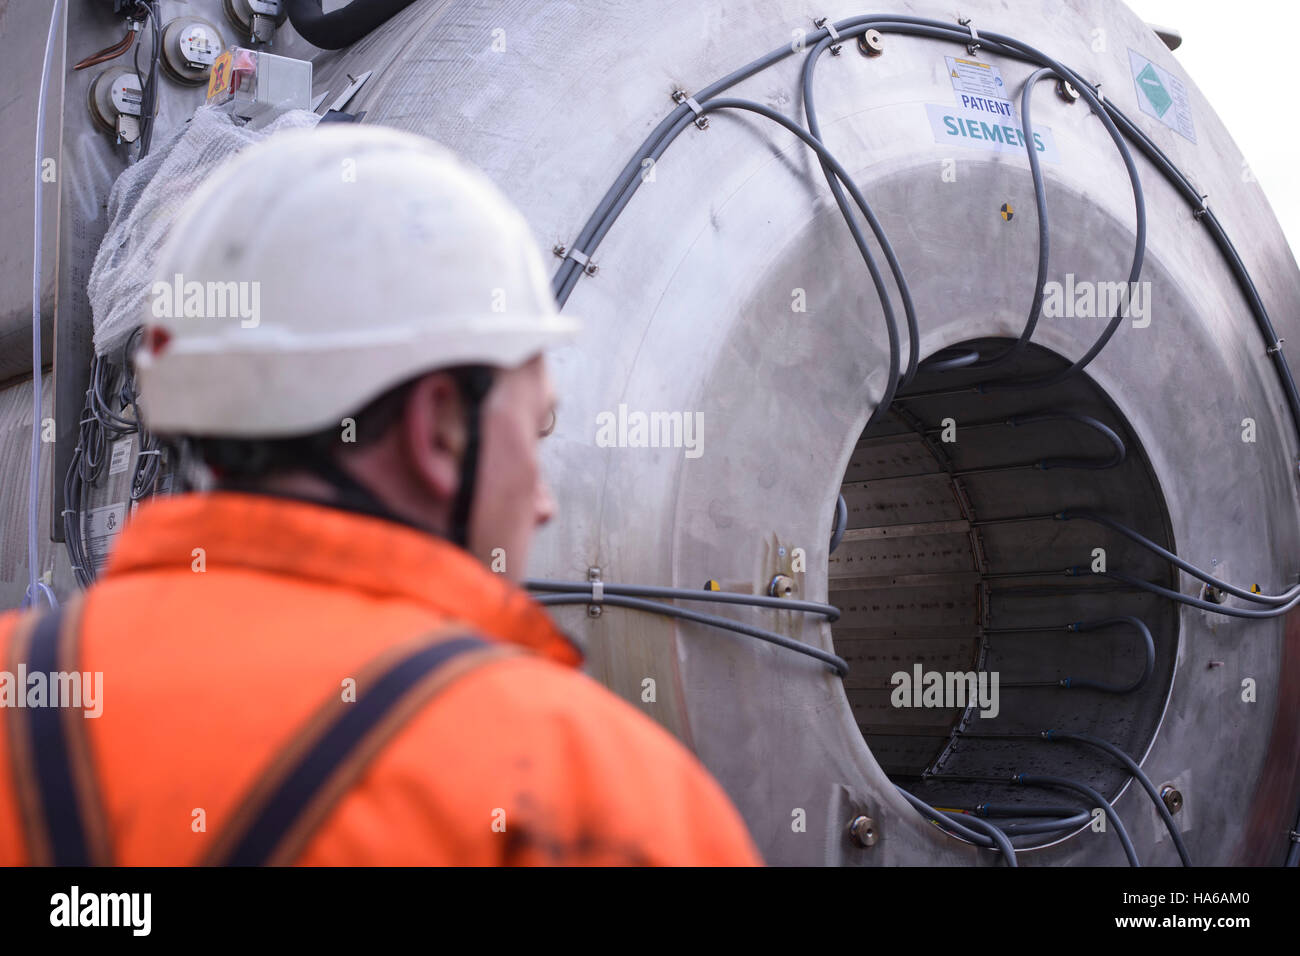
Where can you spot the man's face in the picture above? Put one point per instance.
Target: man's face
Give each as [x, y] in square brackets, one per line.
[511, 500]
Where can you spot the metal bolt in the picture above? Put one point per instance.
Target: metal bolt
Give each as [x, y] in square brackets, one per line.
[1172, 799]
[863, 831]
[1212, 594]
[871, 43]
[781, 586]
[559, 250]
[1066, 91]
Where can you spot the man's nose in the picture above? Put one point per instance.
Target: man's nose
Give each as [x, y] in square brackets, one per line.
[545, 504]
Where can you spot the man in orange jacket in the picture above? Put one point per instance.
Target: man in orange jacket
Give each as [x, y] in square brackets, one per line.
[312, 664]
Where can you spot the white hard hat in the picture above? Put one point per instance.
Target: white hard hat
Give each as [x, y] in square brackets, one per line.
[321, 268]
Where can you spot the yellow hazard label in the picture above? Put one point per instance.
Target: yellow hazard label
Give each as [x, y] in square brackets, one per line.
[220, 77]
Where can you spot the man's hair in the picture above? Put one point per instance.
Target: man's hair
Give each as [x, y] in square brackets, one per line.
[243, 460]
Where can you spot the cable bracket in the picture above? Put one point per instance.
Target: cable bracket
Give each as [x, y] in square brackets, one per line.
[825, 23]
[597, 592]
[973, 46]
[681, 96]
[577, 255]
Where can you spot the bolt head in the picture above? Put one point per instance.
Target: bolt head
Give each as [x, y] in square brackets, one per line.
[782, 586]
[1172, 799]
[871, 43]
[862, 830]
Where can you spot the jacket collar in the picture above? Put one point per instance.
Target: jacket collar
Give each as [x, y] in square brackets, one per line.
[346, 549]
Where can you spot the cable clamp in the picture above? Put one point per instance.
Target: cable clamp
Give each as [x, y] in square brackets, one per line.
[1276, 347]
[681, 96]
[577, 255]
[974, 44]
[825, 23]
[1205, 208]
[155, 451]
[1295, 836]
[597, 592]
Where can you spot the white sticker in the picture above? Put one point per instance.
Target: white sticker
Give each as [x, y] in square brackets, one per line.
[121, 455]
[126, 94]
[1162, 95]
[198, 46]
[100, 527]
[975, 79]
[978, 130]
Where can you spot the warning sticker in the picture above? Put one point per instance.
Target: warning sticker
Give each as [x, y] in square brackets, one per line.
[121, 455]
[1162, 95]
[100, 527]
[978, 130]
[975, 78]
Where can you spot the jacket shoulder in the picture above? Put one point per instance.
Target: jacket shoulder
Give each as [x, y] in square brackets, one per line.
[524, 761]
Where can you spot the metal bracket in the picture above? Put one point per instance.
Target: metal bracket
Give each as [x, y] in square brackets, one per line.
[681, 96]
[597, 592]
[1205, 208]
[973, 46]
[824, 22]
[1276, 347]
[577, 255]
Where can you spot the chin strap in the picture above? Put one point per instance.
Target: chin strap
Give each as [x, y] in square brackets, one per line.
[475, 382]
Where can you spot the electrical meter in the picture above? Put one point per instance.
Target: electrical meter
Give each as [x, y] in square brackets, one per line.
[190, 45]
[116, 102]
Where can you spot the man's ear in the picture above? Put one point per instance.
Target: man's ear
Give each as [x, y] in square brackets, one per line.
[433, 435]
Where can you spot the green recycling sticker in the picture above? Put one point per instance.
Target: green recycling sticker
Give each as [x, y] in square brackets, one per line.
[1161, 94]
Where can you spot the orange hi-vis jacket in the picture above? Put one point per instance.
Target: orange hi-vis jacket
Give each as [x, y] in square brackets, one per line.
[239, 634]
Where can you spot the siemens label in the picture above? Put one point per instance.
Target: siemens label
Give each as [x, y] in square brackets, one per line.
[977, 130]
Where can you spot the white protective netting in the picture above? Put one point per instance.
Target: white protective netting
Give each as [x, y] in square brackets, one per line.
[142, 206]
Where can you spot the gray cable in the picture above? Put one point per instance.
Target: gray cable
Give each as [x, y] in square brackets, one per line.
[586, 588]
[1197, 602]
[841, 523]
[1070, 514]
[1136, 771]
[1047, 780]
[838, 663]
[992, 837]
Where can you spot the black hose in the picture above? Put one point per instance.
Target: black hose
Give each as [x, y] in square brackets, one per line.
[1147, 667]
[1091, 464]
[342, 27]
[841, 523]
